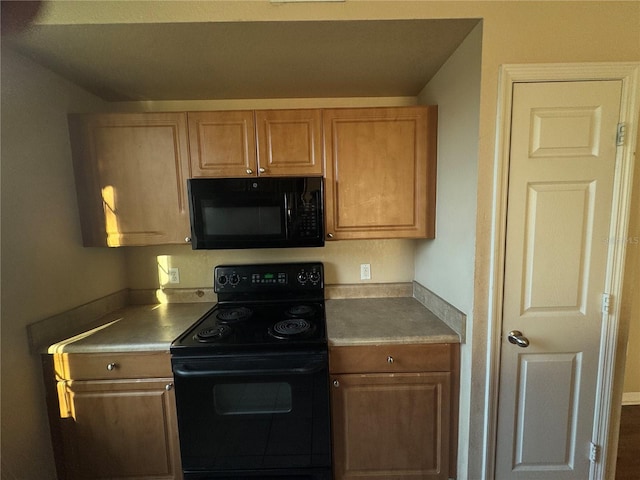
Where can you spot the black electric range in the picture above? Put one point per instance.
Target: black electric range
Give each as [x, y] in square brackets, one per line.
[251, 377]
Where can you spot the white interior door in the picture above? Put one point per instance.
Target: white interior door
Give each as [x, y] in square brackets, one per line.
[561, 177]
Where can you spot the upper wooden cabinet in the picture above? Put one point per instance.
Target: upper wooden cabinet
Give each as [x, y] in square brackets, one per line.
[131, 172]
[131, 168]
[222, 144]
[380, 172]
[263, 143]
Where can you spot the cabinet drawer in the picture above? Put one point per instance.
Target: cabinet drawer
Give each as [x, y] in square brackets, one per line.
[391, 358]
[105, 366]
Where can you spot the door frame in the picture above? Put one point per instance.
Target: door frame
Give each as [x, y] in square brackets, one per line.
[612, 347]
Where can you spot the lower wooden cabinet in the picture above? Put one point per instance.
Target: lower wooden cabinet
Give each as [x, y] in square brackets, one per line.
[116, 427]
[391, 417]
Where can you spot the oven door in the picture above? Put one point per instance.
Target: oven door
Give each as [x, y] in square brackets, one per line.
[254, 416]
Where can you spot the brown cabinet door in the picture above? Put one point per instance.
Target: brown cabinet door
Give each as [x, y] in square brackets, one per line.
[289, 142]
[123, 429]
[222, 144]
[131, 172]
[380, 172]
[391, 426]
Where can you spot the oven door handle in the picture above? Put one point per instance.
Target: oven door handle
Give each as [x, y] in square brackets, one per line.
[204, 370]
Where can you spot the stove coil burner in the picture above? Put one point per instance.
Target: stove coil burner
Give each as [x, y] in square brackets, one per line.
[301, 310]
[291, 328]
[236, 314]
[213, 334]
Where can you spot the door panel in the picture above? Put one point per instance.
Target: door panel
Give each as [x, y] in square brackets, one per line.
[556, 379]
[289, 142]
[123, 429]
[222, 143]
[547, 289]
[562, 163]
[392, 426]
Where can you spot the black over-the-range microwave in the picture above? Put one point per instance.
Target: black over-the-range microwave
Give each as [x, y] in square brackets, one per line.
[263, 212]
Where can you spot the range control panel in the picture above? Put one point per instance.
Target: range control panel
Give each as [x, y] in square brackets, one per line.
[282, 277]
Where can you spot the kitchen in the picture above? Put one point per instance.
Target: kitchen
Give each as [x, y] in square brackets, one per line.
[48, 274]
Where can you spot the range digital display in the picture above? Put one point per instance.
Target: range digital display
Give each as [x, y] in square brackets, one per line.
[273, 278]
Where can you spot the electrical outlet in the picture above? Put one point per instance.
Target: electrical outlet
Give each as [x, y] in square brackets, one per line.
[174, 275]
[365, 271]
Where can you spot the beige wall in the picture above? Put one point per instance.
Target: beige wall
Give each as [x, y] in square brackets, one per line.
[513, 32]
[391, 261]
[445, 265]
[45, 270]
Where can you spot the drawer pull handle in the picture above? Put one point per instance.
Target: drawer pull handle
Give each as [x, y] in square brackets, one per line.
[168, 386]
[111, 366]
[389, 359]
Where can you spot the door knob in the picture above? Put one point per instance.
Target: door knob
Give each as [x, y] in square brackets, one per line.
[516, 337]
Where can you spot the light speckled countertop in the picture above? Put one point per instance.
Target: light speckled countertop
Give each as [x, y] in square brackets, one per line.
[135, 328]
[373, 321]
[354, 321]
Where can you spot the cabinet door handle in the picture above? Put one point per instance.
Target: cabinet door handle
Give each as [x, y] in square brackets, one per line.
[330, 235]
[336, 383]
[390, 359]
[187, 239]
[261, 170]
[112, 366]
[249, 171]
[168, 386]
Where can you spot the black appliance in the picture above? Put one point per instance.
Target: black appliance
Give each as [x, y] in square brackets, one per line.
[251, 378]
[264, 212]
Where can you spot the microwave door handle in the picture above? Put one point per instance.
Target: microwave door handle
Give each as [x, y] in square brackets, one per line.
[287, 207]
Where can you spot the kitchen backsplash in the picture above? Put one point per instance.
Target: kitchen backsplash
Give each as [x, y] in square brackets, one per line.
[391, 261]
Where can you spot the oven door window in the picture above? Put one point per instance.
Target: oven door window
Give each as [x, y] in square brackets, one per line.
[252, 398]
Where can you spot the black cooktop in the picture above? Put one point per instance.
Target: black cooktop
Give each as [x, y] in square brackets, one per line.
[261, 307]
[233, 327]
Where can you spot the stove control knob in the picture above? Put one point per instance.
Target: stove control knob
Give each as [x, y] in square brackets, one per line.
[234, 279]
[314, 277]
[303, 277]
[222, 279]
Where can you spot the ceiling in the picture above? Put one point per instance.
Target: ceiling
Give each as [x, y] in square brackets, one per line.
[237, 60]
